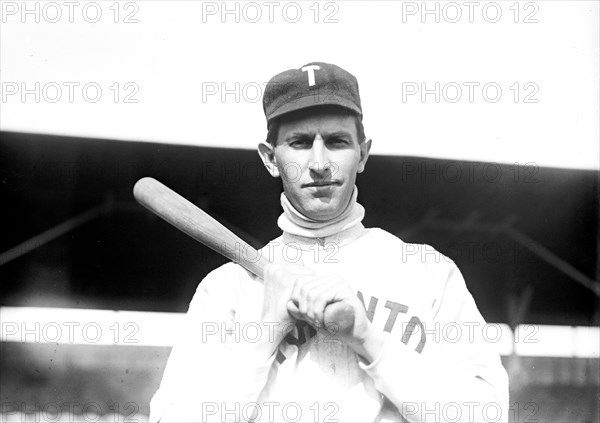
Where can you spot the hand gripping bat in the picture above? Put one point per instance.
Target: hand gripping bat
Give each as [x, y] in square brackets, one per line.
[198, 224]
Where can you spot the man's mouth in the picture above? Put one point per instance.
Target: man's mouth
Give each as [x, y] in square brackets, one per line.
[322, 183]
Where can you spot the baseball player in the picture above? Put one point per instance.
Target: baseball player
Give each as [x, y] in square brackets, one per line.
[409, 343]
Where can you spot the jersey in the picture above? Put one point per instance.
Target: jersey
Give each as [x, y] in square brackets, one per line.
[435, 364]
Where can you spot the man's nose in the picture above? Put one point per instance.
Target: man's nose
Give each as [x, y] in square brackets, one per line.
[319, 162]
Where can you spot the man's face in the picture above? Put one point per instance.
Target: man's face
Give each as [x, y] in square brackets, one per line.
[317, 158]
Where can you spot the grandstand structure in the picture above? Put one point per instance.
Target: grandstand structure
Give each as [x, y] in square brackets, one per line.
[94, 287]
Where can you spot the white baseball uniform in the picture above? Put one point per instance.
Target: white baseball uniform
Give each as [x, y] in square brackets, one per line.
[435, 365]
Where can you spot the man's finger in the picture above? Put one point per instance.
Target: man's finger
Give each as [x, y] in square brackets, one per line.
[293, 310]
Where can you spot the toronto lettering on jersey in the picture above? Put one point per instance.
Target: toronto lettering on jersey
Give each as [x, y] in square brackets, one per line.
[396, 308]
[305, 332]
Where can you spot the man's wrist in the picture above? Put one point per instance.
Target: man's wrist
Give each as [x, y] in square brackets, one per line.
[370, 347]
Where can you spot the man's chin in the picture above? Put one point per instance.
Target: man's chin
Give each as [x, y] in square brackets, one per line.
[323, 211]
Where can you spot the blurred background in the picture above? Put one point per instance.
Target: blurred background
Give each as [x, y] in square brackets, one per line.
[93, 287]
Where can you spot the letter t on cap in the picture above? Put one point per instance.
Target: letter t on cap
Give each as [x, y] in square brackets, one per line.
[311, 73]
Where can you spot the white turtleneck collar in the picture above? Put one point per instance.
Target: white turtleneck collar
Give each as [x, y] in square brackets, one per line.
[346, 225]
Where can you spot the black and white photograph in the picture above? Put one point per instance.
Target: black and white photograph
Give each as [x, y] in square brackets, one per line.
[299, 211]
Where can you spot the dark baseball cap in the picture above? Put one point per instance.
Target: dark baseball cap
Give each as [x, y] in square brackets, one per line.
[314, 84]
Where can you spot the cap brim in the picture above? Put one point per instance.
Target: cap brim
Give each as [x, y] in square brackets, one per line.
[314, 101]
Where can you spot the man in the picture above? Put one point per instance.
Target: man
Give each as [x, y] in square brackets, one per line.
[406, 345]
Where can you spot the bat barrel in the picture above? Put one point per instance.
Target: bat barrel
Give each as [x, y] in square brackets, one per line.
[198, 224]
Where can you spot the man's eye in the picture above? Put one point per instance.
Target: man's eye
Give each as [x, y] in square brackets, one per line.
[338, 141]
[299, 143]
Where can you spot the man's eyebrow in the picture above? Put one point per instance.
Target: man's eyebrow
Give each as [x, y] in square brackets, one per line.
[300, 135]
[312, 135]
[336, 134]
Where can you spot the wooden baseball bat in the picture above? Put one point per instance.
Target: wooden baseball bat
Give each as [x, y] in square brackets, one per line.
[198, 224]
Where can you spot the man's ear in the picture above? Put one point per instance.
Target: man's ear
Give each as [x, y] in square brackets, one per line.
[267, 153]
[365, 148]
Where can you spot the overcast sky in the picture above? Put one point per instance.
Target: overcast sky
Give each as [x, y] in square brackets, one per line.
[508, 82]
